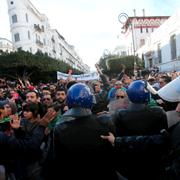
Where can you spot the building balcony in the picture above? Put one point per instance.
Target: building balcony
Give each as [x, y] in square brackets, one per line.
[38, 28]
[39, 43]
[53, 40]
[70, 61]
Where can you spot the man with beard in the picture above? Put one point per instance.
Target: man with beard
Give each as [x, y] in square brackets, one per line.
[61, 99]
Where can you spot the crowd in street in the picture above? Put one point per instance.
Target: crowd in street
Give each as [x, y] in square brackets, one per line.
[122, 128]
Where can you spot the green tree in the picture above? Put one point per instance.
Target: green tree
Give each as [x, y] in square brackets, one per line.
[38, 67]
[112, 65]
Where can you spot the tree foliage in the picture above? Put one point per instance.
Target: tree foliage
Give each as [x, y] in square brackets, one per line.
[38, 67]
[112, 65]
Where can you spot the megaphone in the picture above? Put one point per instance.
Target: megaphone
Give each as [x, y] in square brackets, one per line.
[171, 91]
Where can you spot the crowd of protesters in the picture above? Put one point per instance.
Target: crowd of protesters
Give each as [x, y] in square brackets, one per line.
[114, 128]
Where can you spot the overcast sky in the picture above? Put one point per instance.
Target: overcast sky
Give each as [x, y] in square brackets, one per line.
[91, 25]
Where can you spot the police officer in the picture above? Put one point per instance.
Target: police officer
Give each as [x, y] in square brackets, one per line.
[79, 151]
[139, 119]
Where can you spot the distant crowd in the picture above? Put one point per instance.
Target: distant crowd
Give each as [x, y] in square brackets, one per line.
[118, 128]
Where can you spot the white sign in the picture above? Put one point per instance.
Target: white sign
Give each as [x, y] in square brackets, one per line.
[81, 77]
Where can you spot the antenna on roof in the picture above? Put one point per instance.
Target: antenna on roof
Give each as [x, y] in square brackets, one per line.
[134, 10]
[143, 10]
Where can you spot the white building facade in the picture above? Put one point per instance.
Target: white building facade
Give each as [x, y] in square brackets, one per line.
[6, 45]
[31, 32]
[162, 48]
[136, 30]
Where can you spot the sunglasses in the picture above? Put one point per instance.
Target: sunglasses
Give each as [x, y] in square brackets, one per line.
[58, 94]
[119, 97]
[48, 99]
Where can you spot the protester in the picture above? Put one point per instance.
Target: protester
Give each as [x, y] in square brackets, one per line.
[24, 148]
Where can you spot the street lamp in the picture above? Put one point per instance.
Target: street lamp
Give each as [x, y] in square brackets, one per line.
[123, 17]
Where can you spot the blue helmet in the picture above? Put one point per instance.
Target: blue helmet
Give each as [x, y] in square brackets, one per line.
[79, 95]
[138, 92]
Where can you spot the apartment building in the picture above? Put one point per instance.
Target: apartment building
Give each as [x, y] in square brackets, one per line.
[162, 48]
[31, 32]
[6, 45]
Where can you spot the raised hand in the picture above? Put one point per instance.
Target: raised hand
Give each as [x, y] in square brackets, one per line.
[47, 118]
[98, 69]
[123, 67]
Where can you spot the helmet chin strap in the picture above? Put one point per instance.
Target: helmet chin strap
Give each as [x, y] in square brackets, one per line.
[151, 89]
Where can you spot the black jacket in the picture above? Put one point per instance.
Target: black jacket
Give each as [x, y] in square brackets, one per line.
[79, 151]
[173, 161]
[140, 144]
[26, 147]
[140, 120]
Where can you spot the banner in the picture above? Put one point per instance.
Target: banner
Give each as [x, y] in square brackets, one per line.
[81, 77]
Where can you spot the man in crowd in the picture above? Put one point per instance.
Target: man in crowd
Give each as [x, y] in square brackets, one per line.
[61, 99]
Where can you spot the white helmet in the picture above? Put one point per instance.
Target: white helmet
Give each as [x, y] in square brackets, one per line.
[171, 91]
